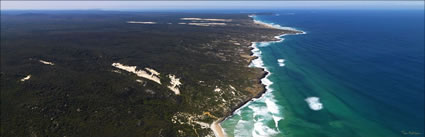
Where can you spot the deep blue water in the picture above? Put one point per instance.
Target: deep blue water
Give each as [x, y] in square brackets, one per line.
[366, 66]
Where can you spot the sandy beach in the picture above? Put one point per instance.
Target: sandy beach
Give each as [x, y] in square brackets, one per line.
[275, 26]
[216, 128]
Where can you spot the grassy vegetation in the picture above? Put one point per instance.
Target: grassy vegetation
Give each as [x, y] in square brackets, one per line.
[81, 95]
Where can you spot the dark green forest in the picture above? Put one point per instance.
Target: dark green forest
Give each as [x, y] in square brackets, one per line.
[82, 95]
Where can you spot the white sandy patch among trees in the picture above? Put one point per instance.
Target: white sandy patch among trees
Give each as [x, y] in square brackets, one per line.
[116, 71]
[152, 71]
[152, 75]
[46, 62]
[140, 73]
[207, 24]
[26, 78]
[140, 81]
[202, 124]
[141, 22]
[233, 88]
[217, 89]
[203, 19]
[174, 84]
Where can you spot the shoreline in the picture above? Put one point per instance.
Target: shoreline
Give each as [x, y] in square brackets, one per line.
[216, 125]
[217, 129]
[276, 26]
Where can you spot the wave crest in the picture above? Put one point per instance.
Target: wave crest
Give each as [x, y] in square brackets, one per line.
[314, 103]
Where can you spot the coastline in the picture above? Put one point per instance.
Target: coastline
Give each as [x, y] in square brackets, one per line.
[217, 129]
[216, 82]
[256, 62]
[275, 26]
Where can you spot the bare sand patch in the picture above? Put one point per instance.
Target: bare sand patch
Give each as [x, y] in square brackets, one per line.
[139, 81]
[174, 84]
[26, 78]
[140, 73]
[46, 62]
[141, 22]
[152, 71]
[202, 124]
[207, 24]
[216, 128]
[153, 75]
[204, 19]
[266, 25]
[217, 89]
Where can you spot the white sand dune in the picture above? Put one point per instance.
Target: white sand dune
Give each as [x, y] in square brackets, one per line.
[140, 73]
[141, 22]
[217, 89]
[26, 78]
[266, 25]
[207, 24]
[152, 71]
[202, 124]
[174, 84]
[46, 62]
[204, 19]
[139, 80]
[154, 76]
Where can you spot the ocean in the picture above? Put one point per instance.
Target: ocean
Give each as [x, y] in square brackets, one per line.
[355, 73]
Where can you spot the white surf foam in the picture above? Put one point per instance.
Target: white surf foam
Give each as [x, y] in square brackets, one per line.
[257, 62]
[273, 108]
[280, 62]
[280, 39]
[263, 44]
[262, 114]
[240, 128]
[261, 130]
[259, 112]
[266, 81]
[314, 103]
[263, 109]
[276, 120]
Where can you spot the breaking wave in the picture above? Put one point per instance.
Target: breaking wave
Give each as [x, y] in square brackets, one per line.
[314, 103]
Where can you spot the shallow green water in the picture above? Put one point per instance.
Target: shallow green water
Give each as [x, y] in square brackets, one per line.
[366, 68]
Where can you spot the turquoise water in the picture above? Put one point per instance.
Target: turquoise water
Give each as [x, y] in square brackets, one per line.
[365, 67]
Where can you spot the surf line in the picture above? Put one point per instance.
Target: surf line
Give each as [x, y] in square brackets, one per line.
[265, 81]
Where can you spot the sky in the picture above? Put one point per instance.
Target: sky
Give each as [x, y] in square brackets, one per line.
[158, 5]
